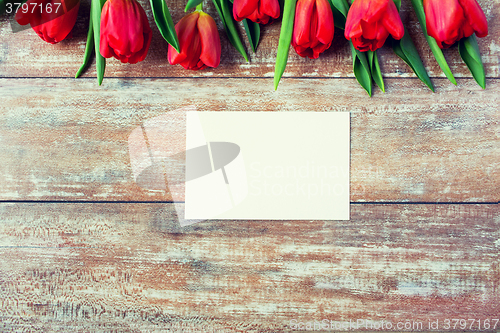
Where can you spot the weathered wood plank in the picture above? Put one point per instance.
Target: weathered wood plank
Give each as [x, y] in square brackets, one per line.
[129, 268]
[68, 139]
[23, 54]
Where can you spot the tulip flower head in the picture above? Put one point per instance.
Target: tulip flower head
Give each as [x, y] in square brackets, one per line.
[313, 28]
[448, 21]
[370, 22]
[52, 20]
[125, 31]
[199, 42]
[259, 11]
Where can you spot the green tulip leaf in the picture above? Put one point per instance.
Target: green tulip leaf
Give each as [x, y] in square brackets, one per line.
[375, 69]
[472, 47]
[225, 10]
[285, 40]
[407, 51]
[172, 34]
[192, 4]
[89, 49]
[338, 17]
[341, 6]
[361, 65]
[95, 12]
[219, 10]
[3, 6]
[398, 4]
[253, 33]
[469, 51]
[164, 22]
[361, 69]
[339, 10]
[438, 53]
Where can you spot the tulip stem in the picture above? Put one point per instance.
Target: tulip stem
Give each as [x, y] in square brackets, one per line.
[199, 7]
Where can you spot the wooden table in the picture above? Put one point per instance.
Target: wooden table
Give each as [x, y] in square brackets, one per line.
[84, 249]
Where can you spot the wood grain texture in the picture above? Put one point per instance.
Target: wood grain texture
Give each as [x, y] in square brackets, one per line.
[68, 139]
[130, 268]
[24, 54]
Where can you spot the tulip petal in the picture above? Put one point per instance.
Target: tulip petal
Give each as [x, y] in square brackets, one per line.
[244, 8]
[186, 29]
[475, 17]
[260, 11]
[124, 38]
[125, 32]
[444, 20]
[24, 18]
[313, 41]
[270, 8]
[369, 23]
[392, 21]
[326, 26]
[370, 10]
[436, 50]
[353, 21]
[210, 41]
[199, 42]
[302, 25]
[353, 30]
[370, 30]
[52, 27]
[379, 41]
[376, 10]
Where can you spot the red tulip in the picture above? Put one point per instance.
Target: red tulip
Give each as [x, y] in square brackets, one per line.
[451, 20]
[369, 23]
[199, 42]
[260, 11]
[52, 20]
[313, 28]
[125, 31]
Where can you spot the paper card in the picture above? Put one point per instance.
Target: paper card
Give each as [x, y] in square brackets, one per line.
[267, 165]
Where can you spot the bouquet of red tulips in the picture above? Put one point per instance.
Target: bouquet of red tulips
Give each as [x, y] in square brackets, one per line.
[367, 24]
[120, 29]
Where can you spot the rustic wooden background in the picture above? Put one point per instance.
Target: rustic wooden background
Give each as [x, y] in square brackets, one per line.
[84, 249]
